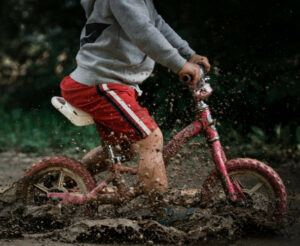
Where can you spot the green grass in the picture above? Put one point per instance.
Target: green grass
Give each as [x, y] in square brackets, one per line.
[43, 130]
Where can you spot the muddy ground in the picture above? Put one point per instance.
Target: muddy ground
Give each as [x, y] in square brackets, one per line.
[213, 225]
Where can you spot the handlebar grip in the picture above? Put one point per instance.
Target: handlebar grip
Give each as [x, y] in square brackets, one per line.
[187, 78]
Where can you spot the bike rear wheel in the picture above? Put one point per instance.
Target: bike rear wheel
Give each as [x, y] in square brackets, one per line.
[260, 184]
[55, 174]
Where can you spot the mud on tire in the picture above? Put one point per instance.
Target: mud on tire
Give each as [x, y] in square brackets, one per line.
[255, 168]
[45, 166]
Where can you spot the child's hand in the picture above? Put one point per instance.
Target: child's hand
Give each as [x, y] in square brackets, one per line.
[192, 70]
[201, 60]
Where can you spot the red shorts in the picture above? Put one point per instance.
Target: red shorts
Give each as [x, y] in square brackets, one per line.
[114, 107]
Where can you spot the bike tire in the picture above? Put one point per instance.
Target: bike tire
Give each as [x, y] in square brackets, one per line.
[42, 166]
[258, 168]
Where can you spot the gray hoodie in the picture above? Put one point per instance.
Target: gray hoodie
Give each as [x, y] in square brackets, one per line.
[121, 41]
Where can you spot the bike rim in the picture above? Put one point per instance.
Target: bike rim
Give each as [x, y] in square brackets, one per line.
[256, 187]
[53, 179]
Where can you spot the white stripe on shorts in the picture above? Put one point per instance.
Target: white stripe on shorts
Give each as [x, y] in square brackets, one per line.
[127, 109]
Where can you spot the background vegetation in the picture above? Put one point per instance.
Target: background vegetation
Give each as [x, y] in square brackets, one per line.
[253, 46]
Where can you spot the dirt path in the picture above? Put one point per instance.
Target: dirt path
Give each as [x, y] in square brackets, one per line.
[182, 172]
[13, 165]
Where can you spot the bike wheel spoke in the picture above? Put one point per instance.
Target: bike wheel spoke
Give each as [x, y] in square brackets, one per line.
[237, 181]
[255, 189]
[42, 188]
[61, 179]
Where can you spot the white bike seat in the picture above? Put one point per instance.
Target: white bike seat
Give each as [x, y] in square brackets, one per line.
[75, 115]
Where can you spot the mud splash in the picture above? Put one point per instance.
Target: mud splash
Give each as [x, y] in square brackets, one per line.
[134, 222]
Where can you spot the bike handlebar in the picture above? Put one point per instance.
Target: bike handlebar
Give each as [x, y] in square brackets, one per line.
[203, 89]
[187, 78]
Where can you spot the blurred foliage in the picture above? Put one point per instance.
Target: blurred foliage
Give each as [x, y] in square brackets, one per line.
[43, 130]
[253, 46]
[46, 132]
[272, 146]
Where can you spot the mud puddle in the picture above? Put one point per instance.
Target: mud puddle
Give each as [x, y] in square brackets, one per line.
[135, 222]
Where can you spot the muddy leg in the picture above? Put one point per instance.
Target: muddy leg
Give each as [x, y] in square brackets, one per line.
[152, 172]
[95, 161]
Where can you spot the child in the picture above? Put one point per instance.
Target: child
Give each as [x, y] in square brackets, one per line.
[120, 43]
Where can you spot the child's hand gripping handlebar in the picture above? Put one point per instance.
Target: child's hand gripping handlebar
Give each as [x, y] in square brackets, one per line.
[202, 90]
[188, 78]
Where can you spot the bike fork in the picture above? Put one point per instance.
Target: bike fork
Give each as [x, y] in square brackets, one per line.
[228, 186]
[232, 189]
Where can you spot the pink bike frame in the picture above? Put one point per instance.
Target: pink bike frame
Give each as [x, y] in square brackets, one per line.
[205, 124]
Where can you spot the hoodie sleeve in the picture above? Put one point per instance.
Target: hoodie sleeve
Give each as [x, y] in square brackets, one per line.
[133, 17]
[174, 39]
[88, 6]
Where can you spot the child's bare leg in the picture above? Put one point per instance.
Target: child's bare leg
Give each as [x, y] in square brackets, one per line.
[95, 160]
[152, 171]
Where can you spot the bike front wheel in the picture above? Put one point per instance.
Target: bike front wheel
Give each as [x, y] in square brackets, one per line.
[261, 185]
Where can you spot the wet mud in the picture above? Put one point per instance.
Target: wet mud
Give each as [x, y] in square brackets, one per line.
[137, 222]
[130, 224]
